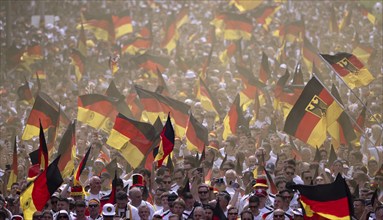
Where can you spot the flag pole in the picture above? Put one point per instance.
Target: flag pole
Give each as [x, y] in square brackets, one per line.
[336, 100]
[336, 75]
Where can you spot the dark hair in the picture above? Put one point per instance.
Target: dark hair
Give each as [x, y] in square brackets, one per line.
[254, 199]
[247, 212]
[80, 203]
[121, 195]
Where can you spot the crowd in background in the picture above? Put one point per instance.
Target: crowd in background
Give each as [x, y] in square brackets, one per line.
[162, 194]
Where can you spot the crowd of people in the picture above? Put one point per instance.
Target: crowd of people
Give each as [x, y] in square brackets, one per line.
[232, 173]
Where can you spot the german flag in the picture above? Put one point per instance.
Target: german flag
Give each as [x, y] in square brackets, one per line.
[359, 125]
[218, 213]
[227, 54]
[122, 24]
[298, 76]
[182, 17]
[150, 63]
[44, 109]
[157, 105]
[363, 52]
[113, 92]
[319, 201]
[80, 168]
[310, 54]
[341, 132]
[208, 101]
[166, 143]
[263, 15]
[67, 150]
[291, 31]
[245, 5]
[78, 61]
[350, 69]
[312, 114]
[171, 34]
[333, 24]
[233, 119]
[346, 21]
[33, 52]
[43, 150]
[136, 45]
[37, 194]
[237, 27]
[81, 45]
[134, 105]
[196, 135]
[367, 14]
[25, 94]
[132, 139]
[97, 111]
[146, 31]
[206, 63]
[264, 71]
[285, 98]
[14, 169]
[101, 25]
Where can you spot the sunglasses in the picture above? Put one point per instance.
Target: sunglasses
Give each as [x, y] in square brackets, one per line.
[253, 206]
[289, 173]
[63, 217]
[203, 192]
[233, 213]
[167, 182]
[93, 206]
[279, 216]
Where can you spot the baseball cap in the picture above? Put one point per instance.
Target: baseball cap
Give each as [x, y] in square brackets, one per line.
[108, 210]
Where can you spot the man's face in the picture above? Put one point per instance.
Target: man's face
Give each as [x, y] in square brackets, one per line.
[95, 185]
[253, 206]
[121, 203]
[62, 205]
[358, 206]
[94, 209]
[178, 178]
[144, 213]
[80, 211]
[209, 214]
[203, 193]
[178, 209]
[167, 183]
[278, 203]
[307, 177]
[289, 174]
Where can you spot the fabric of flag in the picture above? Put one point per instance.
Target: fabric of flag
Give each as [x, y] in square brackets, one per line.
[14, 168]
[67, 151]
[146, 31]
[233, 119]
[264, 71]
[43, 156]
[111, 198]
[166, 143]
[138, 45]
[245, 5]
[78, 61]
[122, 24]
[341, 132]
[263, 15]
[363, 52]
[112, 91]
[236, 27]
[40, 74]
[157, 105]
[319, 200]
[150, 63]
[196, 135]
[113, 63]
[208, 101]
[97, 111]
[228, 53]
[44, 109]
[346, 21]
[169, 41]
[367, 14]
[33, 52]
[206, 63]
[101, 25]
[134, 105]
[132, 138]
[81, 44]
[37, 194]
[218, 213]
[332, 156]
[310, 54]
[25, 94]
[333, 24]
[312, 114]
[350, 69]
[290, 31]
[298, 76]
[285, 98]
[80, 168]
[182, 17]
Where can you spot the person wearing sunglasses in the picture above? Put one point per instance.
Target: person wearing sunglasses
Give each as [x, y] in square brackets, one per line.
[279, 214]
[94, 209]
[232, 213]
[247, 215]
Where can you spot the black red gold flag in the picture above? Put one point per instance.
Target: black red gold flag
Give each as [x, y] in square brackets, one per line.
[136, 46]
[208, 101]
[171, 34]
[350, 69]
[67, 150]
[43, 157]
[319, 201]
[132, 139]
[264, 71]
[80, 168]
[233, 119]
[14, 168]
[196, 135]
[150, 63]
[245, 5]
[310, 54]
[166, 143]
[237, 26]
[263, 15]
[122, 24]
[25, 94]
[78, 61]
[314, 111]
[37, 194]
[101, 25]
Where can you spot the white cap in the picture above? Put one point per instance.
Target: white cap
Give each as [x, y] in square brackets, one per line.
[108, 210]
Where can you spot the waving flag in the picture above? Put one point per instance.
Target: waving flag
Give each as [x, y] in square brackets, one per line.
[167, 142]
[67, 151]
[25, 94]
[196, 135]
[14, 168]
[350, 69]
